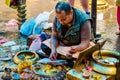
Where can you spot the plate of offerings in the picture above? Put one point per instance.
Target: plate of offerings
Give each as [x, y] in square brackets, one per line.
[29, 55]
[104, 61]
[48, 71]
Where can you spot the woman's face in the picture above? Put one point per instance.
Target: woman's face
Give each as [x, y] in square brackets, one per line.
[64, 18]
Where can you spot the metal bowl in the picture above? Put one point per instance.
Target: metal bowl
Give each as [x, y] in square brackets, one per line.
[58, 72]
[104, 67]
[29, 55]
[5, 59]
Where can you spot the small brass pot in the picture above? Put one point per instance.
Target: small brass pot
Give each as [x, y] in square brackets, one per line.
[104, 68]
[32, 56]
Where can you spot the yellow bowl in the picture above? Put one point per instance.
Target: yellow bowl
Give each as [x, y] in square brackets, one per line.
[29, 55]
[104, 68]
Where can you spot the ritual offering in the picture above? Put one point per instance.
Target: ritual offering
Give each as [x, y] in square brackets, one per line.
[29, 55]
[104, 61]
[36, 66]
[25, 64]
[48, 70]
[7, 74]
[86, 74]
[26, 75]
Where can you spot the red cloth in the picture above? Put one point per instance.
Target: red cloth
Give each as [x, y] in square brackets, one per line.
[118, 16]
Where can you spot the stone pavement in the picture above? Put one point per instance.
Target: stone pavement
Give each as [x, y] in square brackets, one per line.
[106, 18]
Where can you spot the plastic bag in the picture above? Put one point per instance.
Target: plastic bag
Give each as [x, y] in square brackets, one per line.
[37, 29]
[40, 21]
[42, 17]
[44, 36]
[12, 26]
[12, 23]
[35, 44]
[27, 27]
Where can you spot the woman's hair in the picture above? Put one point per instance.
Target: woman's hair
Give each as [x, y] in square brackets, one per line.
[63, 6]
